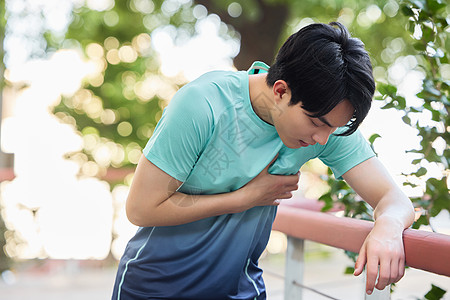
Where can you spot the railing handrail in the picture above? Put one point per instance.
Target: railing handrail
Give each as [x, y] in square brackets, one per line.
[424, 250]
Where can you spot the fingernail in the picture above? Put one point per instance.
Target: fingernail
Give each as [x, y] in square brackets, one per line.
[369, 292]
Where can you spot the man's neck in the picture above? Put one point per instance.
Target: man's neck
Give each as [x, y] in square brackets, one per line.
[261, 97]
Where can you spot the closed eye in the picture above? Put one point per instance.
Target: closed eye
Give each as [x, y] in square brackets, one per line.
[315, 125]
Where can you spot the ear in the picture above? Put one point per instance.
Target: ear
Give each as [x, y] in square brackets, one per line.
[280, 90]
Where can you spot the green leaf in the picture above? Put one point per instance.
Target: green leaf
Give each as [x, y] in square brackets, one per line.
[435, 5]
[419, 46]
[436, 115]
[442, 21]
[373, 137]
[423, 15]
[387, 106]
[427, 34]
[421, 221]
[409, 183]
[411, 26]
[399, 102]
[406, 119]
[326, 198]
[387, 89]
[416, 161]
[352, 255]
[407, 11]
[435, 293]
[349, 270]
[438, 190]
[422, 171]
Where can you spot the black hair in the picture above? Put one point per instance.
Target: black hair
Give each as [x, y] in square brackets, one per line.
[322, 66]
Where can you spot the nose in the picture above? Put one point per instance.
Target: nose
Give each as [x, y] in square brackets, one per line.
[322, 135]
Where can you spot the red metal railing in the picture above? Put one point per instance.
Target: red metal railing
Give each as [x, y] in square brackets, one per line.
[424, 250]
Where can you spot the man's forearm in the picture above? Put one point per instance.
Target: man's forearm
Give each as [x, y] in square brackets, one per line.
[182, 208]
[396, 208]
[153, 199]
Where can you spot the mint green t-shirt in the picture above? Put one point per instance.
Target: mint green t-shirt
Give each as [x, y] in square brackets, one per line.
[210, 138]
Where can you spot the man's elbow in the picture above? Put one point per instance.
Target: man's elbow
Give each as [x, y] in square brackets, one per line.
[411, 213]
[137, 215]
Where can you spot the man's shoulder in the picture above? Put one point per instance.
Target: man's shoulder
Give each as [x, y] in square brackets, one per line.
[219, 77]
[218, 88]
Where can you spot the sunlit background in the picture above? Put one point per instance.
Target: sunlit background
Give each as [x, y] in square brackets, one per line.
[53, 212]
[58, 205]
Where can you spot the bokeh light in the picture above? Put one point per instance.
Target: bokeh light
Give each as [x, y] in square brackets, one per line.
[53, 212]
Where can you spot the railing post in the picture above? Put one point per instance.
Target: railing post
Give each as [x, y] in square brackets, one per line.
[294, 268]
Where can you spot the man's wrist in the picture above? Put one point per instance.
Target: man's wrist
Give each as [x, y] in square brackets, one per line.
[393, 222]
[238, 200]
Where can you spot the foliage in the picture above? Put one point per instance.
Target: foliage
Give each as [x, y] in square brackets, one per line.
[428, 26]
[435, 293]
[119, 105]
[341, 193]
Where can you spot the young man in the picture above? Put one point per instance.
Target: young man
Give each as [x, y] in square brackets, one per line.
[229, 146]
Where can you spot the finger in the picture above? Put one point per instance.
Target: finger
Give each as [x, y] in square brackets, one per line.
[371, 273]
[295, 178]
[384, 276]
[401, 269]
[361, 261]
[292, 187]
[394, 272]
[289, 181]
[286, 195]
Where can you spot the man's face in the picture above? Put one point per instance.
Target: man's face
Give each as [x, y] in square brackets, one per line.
[296, 129]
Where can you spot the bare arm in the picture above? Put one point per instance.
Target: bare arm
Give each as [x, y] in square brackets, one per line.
[153, 199]
[373, 183]
[393, 213]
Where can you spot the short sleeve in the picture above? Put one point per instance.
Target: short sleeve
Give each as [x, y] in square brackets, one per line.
[182, 133]
[341, 153]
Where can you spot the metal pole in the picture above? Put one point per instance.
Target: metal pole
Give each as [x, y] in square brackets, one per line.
[295, 266]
